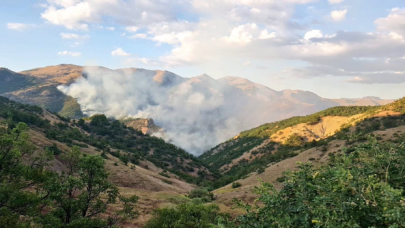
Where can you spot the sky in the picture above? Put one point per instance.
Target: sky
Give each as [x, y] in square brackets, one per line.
[335, 48]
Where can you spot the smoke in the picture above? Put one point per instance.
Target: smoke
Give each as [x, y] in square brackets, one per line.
[196, 113]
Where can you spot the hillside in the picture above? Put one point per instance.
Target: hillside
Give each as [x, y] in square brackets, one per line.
[61, 74]
[157, 172]
[11, 81]
[256, 149]
[39, 87]
[161, 174]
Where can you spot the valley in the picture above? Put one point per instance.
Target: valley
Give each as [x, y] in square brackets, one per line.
[166, 178]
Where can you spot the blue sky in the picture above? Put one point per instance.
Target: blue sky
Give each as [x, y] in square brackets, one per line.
[335, 48]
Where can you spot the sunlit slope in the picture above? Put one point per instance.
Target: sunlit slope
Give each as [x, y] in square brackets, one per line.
[255, 149]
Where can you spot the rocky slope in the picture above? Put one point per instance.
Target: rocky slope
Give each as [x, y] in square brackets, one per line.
[146, 126]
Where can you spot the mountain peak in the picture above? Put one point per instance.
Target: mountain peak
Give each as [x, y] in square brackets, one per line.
[372, 98]
[204, 77]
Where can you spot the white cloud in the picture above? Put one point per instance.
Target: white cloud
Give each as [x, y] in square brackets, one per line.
[79, 14]
[139, 36]
[19, 26]
[232, 31]
[242, 34]
[110, 28]
[246, 63]
[336, 1]
[119, 52]
[338, 15]
[266, 35]
[73, 36]
[76, 44]
[145, 61]
[131, 28]
[394, 22]
[69, 53]
[313, 34]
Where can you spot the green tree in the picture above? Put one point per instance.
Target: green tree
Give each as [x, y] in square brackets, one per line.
[99, 120]
[186, 216]
[20, 171]
[201, 193]
[81, 194]
[358, 189]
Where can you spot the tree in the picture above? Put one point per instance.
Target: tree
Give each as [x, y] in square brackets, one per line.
[20, 170]
[362, 188]
[82, 193]
[293, 140]
[201, 193]
[186, 216]
[99, 120]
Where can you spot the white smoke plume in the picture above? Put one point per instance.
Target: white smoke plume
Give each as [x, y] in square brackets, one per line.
[196, 113]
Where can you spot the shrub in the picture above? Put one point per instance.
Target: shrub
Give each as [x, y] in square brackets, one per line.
[202, 193]
[164, 173]
[54, 149]
[236, 185]
[294, 140]
[358, 189]
[185, 216]
[260, 170]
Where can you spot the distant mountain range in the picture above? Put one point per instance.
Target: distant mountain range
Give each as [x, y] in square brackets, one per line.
[196, 113]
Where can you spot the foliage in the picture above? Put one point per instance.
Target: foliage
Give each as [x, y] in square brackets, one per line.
[54, 149]
[105, 133]
[82, 194]
[17, 178]
[71, 109]
[201, 193]
[358, 189]
[16, 112]
[294, 140]
[236, 185]
[185, 216]
[31, 195]
[397, 106]
[232, 150]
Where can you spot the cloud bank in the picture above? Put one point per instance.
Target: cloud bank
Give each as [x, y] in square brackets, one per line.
[202, 33]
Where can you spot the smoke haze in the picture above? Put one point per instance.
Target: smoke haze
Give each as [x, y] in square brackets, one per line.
[196, 113]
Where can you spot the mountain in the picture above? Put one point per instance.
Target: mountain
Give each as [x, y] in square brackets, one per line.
[11, 81]
[365, 101]
[39, 87]
[62, 74]
[194, 113]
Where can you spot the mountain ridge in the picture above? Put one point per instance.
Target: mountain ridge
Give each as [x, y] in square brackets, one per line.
[197, 113]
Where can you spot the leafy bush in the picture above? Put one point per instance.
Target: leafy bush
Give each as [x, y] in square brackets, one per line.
[236, 185]
[164, 173]
[54, 149]
[294, 140]
[362, 188]
[185, 216]
[202, 193]
[261, 170]
[32, 196]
